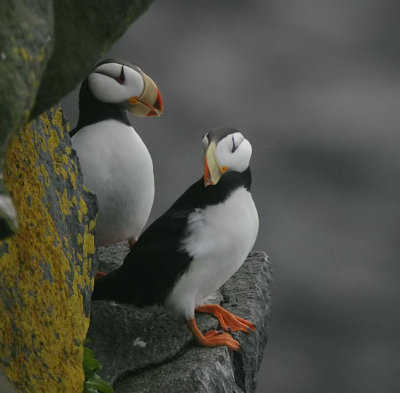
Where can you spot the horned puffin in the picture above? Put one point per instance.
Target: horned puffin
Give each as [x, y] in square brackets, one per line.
[115, 162]
[194, 247]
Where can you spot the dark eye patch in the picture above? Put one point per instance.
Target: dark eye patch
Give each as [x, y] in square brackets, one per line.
[121, 78]
[234, 147]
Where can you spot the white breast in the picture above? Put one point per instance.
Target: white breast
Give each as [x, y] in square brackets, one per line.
[219, 240]
[117, 167]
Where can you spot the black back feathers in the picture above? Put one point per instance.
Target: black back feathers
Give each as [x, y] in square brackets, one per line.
[158, 259]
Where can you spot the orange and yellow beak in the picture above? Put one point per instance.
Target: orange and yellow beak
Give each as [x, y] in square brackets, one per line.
[212, 169]
[150, 101]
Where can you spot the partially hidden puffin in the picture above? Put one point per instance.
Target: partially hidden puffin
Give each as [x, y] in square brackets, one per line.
[115, 162]
[197, 245]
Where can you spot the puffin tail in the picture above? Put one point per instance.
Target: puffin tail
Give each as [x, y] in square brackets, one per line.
[105, 286]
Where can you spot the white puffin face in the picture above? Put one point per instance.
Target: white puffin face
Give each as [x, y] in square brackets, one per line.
[231, 153]
[116, 83]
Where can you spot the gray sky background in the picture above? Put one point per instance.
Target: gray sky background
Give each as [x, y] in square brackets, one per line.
[315, 86]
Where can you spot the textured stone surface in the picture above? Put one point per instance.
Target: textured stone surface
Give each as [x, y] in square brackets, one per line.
[84, 31]
[25, 45]
[46, 268]
[197, 370]
[5, 384]
[46, 48]
[26, 30]
[150, 351]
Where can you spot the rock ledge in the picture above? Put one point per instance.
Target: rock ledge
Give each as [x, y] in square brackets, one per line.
[150, 351]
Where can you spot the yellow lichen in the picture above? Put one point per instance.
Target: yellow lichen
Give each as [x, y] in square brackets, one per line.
[73, 181]
[42, 322]
[45, 174]
[83, 206]
[88, 243]
[63, 202]
[42, 55]
[42, 143]
[23, 53]
[92, 224]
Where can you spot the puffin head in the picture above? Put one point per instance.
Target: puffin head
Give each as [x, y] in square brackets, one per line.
[225, 150]
[116, 81]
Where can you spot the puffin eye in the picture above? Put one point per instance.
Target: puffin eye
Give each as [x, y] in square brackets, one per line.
[121, 78]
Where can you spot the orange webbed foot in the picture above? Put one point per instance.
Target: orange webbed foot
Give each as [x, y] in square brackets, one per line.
[213, 338]
[228, 321]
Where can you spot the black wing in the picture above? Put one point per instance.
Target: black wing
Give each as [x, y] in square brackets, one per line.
[157, 260]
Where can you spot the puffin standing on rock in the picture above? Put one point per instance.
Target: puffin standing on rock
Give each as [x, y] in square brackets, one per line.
[115, 162]
[196, 245]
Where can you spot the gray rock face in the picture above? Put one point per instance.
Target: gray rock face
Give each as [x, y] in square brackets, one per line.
[84, 31]
[151, 351]
[46, 48]
[25, 45]
[5, 384]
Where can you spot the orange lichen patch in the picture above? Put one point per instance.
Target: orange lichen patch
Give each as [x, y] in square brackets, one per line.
[43, 268]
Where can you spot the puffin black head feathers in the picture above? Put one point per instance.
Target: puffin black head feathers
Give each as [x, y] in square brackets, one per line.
[115, 163]
[196, 245]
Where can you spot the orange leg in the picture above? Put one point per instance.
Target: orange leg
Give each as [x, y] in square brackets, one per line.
[213, 338]
[228, 321]
[131, 242]
[99, 274]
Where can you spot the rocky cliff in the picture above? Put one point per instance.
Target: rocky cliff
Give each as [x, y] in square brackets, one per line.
[46, 268]
[46, 48]
[46, 261]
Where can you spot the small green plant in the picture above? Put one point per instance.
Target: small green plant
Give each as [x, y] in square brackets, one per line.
[93, 382]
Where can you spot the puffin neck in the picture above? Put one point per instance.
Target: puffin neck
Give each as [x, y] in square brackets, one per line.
[198, 196]
[228, 183]
[91, 110]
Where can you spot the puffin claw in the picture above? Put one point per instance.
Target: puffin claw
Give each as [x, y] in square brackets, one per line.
[213, 338]
[225, 317]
